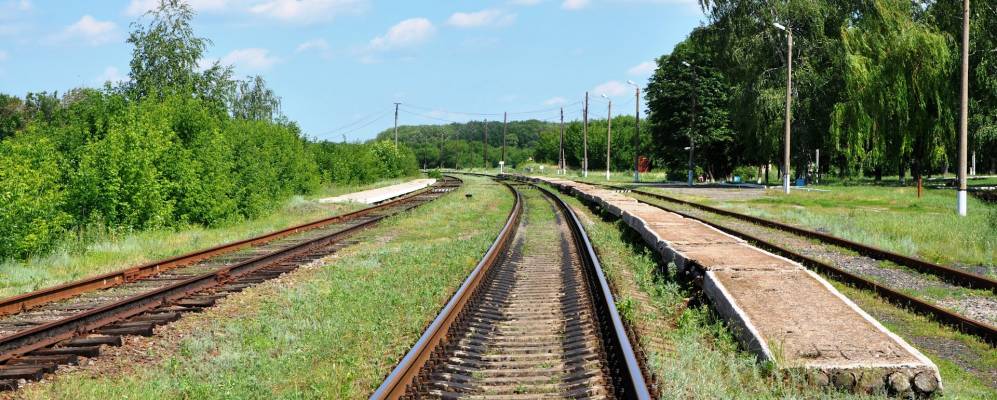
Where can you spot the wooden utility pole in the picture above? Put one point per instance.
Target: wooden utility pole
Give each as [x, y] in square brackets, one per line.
[637, 136]
[585, 137]
[964, 112]
[560, 156]
[505, 124]
[609, 136]
[396, 124]
[484, 146]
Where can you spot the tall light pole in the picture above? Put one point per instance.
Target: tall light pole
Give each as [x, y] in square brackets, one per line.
[585, 137]
[484, 146]
[789, 102]
[961, 205]
[396, 124]
[636, 132]
[560, 156]
[505, 123]
[609, 132]
[695, 99]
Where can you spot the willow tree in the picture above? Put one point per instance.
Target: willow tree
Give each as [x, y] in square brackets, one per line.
[893, 112]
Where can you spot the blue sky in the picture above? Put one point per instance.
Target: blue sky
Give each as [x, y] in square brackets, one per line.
[339, 65]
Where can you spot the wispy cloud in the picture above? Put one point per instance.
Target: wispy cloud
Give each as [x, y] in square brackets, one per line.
[612, 89]
[110, 74]
[251, 59]
[306, 11]
[555, 101]
[139, 7]
[490, 17]
[318, 46]
[526, 2]
[408, 33]
[643, 69]
[88, 30]
[574, 4]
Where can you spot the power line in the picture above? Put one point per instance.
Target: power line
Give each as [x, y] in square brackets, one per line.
[365, 118]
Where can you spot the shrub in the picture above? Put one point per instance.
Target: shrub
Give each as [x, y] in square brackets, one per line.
[31, 218]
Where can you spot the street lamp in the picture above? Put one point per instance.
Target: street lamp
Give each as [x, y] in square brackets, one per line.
[609, 132]
[789, 102]
[961, 205]
[636, 132]
[695, 99]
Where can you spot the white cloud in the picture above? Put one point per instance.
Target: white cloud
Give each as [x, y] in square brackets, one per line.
[251, 59]
[526, 2]
[139, 7]
[89, 30]
[612, 89]
[643, 69]
[481, 18]
[555, 101]
[574, 4]
[409, 32]
[314, 44]
[304, 11]
[110, 74]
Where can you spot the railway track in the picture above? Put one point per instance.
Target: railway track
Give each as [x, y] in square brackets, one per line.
[984, 330]
[52, 327]
[535, 319]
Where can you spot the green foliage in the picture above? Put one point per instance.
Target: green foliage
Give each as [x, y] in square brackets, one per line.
[357, 163]
[31, 218]
[254, 100]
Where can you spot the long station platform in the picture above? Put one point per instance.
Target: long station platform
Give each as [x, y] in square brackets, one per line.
[777, 308]
[380, 194]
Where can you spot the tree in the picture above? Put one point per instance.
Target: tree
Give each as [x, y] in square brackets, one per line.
[166, 57]
[255, 101]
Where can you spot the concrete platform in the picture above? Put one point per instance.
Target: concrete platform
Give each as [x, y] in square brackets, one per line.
[778, 309]
[380, 194]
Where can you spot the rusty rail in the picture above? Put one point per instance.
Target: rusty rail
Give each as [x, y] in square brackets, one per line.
[26, 341]
[984, 331]
[628, 375]
[18, 303]
[951, 275]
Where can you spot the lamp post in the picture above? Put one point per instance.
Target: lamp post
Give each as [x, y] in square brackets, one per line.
[789, 102]
[609, 132]
[961, 205]
[636, 132]
[695, 99]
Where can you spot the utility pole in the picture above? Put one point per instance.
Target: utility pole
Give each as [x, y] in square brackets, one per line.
[692, 127]
[560, 156]
[396, 124]
[505, 123]
[609, 135]
[964, 112]
[636, 139]
[789, 104]
[585, 137]
[484, 146]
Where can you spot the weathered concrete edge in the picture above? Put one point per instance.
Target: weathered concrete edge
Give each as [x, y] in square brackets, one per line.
[725, 304]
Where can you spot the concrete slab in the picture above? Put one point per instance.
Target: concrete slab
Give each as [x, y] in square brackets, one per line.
[777, 308]
[380, 194]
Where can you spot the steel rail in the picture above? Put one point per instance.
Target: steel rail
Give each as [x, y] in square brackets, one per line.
[19, 303]
[630, 381]
[984, 331]
[948, 274]
[397, 382]
[45, 335]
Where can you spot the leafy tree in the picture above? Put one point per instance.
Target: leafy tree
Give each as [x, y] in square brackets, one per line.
[254, 100]
[31, 219]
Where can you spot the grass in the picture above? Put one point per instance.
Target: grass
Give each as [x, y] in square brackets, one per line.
[337, 330]
[888, 217]
[692, 352]
[96, 252]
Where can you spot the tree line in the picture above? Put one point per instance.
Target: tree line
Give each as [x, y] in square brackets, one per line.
[875, 87]
[172, 145]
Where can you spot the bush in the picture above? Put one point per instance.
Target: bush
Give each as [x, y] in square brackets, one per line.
[31, 218]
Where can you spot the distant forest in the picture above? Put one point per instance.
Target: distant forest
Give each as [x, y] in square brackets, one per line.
[459, 145]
